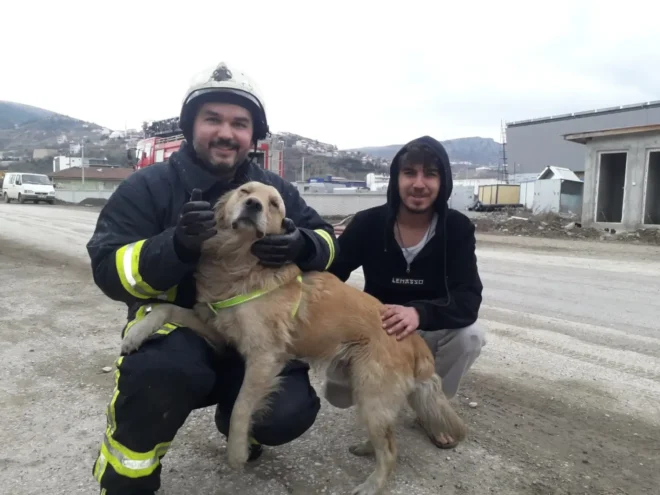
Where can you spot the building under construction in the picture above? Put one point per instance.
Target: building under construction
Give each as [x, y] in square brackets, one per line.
[532, 145]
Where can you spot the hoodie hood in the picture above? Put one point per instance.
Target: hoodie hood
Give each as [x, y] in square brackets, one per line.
[446, 183]
[440, 205]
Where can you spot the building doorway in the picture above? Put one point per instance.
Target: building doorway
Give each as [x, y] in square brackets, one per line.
[652, 192]
[611, 187]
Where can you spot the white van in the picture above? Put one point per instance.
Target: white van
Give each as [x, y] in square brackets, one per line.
[27, 187]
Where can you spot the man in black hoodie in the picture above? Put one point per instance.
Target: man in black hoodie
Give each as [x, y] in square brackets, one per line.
[418, 258]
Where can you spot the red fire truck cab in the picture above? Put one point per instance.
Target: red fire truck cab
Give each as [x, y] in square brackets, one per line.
[158, 145]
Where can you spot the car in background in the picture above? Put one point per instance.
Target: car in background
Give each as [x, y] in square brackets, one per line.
[24, 187]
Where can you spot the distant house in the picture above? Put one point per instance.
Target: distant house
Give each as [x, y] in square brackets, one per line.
[96, 178]
[556, 190]
[39, 153]
[558, 173]
[63, 162]
[622, 176]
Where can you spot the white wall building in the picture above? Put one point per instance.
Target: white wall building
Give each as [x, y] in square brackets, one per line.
[377, 182]
[63, 162]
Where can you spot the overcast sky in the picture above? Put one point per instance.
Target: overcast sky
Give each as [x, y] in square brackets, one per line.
[352, 73]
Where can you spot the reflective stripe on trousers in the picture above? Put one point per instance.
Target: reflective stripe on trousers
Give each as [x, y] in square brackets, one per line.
[123, 460]
[126, 462]
[331, 246]
[127, 261]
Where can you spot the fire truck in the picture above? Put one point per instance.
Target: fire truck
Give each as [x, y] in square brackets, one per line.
[164, 137]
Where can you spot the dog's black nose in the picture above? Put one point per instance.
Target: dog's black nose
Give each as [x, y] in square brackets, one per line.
[253, 205]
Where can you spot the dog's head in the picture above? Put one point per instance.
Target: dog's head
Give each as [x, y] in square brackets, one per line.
[254, 210]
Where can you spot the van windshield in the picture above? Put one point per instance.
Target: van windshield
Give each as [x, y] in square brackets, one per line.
[35, 179]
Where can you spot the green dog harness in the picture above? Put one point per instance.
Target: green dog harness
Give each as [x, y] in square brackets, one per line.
[243, 298]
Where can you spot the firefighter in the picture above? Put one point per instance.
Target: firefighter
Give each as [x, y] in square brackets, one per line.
[144, 250]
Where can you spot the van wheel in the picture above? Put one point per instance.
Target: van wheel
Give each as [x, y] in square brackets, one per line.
[51, 202]
[20, 199]
[7, 200]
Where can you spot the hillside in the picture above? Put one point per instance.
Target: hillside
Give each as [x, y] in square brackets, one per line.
[323, 159]
[476, 150]
[16, 114]
[24, 128]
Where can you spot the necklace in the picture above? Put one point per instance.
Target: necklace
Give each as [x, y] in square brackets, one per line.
[407, 250]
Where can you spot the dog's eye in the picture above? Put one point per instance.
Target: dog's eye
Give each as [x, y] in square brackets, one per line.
[244, 191]
[273, 203]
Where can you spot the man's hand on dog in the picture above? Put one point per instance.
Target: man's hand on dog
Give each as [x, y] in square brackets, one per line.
[276, 250]
[399, 320]
[196, 224]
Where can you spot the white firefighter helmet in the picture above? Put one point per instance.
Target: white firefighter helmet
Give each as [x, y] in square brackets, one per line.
[224, 83]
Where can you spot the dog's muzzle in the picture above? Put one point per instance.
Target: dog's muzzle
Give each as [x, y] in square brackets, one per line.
[252, 205]
[250, 215]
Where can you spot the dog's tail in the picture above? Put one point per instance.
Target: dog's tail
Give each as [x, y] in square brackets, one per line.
[434, 410]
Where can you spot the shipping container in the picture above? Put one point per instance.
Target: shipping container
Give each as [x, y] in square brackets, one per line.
[499, 194]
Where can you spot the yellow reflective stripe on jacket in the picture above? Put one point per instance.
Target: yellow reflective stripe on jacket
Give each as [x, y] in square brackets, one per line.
[167, 328]
[142, 311]
[127, 261]
[331, 246]
[139, 314]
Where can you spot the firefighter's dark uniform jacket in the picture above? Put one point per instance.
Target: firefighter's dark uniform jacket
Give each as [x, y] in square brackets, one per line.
[176, 371]
[132, 249]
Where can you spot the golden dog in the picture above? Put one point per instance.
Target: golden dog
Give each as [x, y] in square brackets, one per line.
[272, 315]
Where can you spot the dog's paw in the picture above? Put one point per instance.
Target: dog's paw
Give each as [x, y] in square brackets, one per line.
[137, 334]
[237, 454]
[366, 488]
[130, 344]
[362, 449]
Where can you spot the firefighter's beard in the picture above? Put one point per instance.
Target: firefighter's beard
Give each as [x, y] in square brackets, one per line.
[221, 156]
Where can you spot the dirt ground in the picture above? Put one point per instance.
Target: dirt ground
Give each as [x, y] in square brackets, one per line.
[553, 226]
[567, 387]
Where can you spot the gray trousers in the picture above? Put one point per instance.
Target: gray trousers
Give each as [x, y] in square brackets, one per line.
[455, 351]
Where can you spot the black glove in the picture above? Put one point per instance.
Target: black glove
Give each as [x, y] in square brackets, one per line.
[276, 250]
[196, 224]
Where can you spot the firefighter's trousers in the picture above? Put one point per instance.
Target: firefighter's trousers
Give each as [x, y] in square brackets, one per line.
[158, 386]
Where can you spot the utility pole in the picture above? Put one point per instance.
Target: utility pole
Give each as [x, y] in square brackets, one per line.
[503, 170]
[303, 169]
[82, 160]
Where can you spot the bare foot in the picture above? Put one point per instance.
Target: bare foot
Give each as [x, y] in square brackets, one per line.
[443, 441]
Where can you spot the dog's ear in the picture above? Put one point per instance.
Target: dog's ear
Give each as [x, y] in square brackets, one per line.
[220, 207]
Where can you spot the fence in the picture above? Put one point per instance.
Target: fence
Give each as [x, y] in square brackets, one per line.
[343, 204]
[326, 204]
[79, 195]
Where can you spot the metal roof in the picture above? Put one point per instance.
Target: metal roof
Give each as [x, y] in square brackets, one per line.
[584, 137]
[560, 173]
[587, 113]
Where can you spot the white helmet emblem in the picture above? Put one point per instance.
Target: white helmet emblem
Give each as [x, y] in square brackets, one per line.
[221, 73]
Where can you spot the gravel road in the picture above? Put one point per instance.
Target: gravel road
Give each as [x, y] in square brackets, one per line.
[567, 387]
